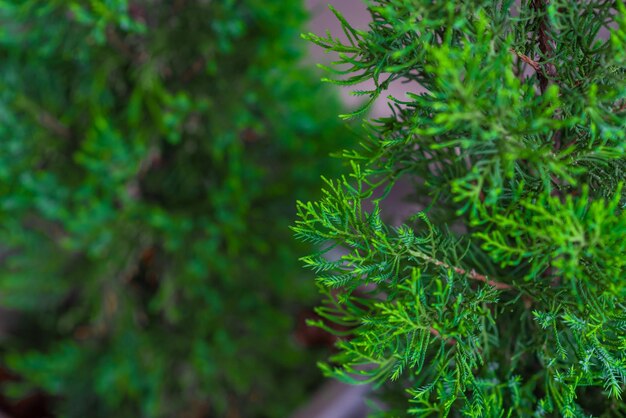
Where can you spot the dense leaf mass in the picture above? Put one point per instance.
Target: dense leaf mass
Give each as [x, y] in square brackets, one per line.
[505, 295]
[149, 155]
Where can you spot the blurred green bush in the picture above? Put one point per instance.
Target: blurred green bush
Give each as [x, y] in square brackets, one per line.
[150, 154]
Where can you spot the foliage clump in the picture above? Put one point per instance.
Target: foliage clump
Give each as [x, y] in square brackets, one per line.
[149, 152]
[505, 295]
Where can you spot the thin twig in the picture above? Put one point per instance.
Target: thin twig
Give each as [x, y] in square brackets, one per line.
[527, 60]
[437, 334]
[472, 274]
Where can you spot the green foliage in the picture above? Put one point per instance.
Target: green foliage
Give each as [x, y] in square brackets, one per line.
[148, 155]
[505, 295]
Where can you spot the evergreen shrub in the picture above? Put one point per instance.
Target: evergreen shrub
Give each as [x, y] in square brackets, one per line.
[505, 295]
[149, 155]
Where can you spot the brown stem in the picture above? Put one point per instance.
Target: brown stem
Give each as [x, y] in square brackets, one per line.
[44, 118]
[527, 60]
[54, 125]
[137, 56]
[195, 68]
[472, 274]
[116, 42]
[545, 46]
[548, 70]
[544, 71]
[437, 334]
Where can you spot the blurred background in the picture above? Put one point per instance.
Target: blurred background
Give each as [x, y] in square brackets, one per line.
[151, 154]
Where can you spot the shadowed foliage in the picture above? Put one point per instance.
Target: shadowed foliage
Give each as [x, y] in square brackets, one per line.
[149, 155]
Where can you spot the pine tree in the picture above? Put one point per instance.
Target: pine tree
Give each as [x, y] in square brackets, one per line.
[149, 155]
[503, 296]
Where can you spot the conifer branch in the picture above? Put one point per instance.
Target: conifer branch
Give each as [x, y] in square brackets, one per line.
[538, 207]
